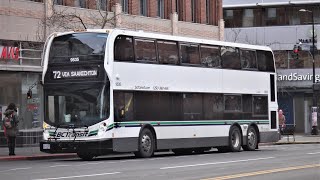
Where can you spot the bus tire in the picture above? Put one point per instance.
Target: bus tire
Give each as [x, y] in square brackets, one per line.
[85, 156]
[146, 144]
[252, 139]
[235, 137]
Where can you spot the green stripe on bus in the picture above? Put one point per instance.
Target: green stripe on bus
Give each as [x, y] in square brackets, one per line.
[95, 132]
[135, 123]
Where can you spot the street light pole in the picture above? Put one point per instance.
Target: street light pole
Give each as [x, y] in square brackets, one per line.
[314, 109]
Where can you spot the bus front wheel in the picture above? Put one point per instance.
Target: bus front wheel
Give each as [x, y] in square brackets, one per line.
[252, 139]
[146, 144]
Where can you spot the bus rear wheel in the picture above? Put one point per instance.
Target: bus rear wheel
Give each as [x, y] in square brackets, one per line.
[146, 144]
[235, 137]
[252, 139]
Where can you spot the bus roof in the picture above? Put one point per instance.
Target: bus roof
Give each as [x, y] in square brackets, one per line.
[140, 33]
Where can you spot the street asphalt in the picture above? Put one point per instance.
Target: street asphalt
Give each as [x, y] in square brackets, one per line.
[287, 161]
[34, 153]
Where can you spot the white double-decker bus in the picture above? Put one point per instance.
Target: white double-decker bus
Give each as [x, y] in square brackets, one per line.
[132, 91]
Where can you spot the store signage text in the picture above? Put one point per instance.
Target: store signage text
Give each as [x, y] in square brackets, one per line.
[298, 77]
[307, 40]
[7, 52]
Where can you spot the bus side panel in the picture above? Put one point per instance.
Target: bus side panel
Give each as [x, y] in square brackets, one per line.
[192, 136]
[125, 139]
[128, 144]
[269, 136]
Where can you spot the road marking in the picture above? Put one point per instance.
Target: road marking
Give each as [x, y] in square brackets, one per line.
[59, 165]
[131, 160]
[80, 176]
[16, 169]
[263, 172]
[314, 153]
[215, 163]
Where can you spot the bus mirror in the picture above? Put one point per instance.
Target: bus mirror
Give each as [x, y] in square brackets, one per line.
[29, 94]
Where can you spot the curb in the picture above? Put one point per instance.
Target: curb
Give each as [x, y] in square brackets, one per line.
[37, 157]
[284, 143]
[288, 143]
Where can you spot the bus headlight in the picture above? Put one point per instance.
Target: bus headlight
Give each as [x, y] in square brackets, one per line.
[103, 127]
[45, 125]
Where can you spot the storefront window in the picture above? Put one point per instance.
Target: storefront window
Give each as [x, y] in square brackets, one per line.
[13, 89]
[20, 53]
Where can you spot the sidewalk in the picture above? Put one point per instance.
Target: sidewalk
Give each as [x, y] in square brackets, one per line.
[34, 153]
[31, 153]
[299, 139]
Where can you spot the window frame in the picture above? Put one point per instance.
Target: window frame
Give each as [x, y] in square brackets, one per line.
[241, 60]
[237, 50]
[253, 107]
[232, 111]
[155, 50]
[181, 54]
[219, 55]
[158, 51]
[143, 8]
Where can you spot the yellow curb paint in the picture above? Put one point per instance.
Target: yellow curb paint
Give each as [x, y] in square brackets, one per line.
[263, 172]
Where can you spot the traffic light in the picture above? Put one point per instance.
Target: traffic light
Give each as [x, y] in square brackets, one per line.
[29, 94]
[296, 49]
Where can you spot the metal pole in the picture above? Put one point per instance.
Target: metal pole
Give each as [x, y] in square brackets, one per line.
[314, 130]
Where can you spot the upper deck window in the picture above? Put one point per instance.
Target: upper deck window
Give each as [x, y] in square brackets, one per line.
[265, 61]
[248, 59]
[168, 52]
[78, 47]
[230, 58]
[123, 49]
[145, 50]
[190, 54]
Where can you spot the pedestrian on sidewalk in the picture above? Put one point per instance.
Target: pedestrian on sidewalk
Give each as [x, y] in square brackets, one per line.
[282, 121]
[10, 125]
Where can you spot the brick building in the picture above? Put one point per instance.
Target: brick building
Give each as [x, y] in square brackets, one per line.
[25, 24]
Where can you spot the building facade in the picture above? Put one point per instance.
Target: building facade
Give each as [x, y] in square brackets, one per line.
[282, 24]
[25, 24]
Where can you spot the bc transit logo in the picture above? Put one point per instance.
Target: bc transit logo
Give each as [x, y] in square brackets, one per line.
[71, 134]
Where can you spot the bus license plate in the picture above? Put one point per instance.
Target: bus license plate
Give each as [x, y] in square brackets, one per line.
[46, 146]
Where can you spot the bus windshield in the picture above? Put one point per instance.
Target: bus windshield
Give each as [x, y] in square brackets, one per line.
[78, 105]
[78, 47]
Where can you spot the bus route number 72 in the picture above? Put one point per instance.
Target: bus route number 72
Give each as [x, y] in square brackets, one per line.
[56, 74]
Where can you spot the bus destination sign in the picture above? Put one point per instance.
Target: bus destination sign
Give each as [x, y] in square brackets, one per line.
[68, 74]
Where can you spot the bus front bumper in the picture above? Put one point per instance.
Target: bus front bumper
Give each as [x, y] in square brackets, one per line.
[96, 147]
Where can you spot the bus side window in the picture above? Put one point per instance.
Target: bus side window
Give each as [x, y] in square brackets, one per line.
[265, 61]
[123, 106]
[145, 50]
[210, 56]
[230, 58]
[248, 59]
[192, 106]
[190, 54]
[123, 49]
[168, 52]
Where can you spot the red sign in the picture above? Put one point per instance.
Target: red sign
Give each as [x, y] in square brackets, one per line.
[7, 52]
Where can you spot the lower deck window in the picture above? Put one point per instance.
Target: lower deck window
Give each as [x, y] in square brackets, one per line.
[165, 106]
